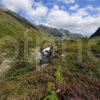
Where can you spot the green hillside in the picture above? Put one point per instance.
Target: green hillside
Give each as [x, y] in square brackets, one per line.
[14, 25]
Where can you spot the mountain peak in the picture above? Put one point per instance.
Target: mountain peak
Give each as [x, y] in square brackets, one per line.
[97, 33]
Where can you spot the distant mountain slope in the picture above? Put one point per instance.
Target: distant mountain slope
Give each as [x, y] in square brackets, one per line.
[97, 33]
[62, 33]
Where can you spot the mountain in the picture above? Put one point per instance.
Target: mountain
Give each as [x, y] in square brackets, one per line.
[97, 33]
[61, 33]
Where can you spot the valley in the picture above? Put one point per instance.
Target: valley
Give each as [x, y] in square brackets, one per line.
[72, 74]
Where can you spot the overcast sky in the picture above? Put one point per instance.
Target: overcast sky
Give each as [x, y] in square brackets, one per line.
[78, 16]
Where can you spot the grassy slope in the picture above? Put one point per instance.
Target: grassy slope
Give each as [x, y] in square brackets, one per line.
[66, 79]
[14, 27]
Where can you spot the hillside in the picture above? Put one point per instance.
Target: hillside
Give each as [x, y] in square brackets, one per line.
[66, 77]
[14, 25]
[61, 33]
[14, 28]
[96, 34]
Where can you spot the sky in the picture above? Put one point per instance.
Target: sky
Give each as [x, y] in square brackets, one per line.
[78, 16]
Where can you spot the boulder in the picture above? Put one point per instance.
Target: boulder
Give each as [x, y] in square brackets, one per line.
[47, 55]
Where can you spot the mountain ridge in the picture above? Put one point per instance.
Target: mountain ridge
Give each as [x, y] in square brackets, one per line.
[61, 33]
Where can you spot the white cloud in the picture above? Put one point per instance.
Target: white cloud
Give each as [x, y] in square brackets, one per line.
[69, 1]
[81, 12]
[62, 19]
[40, 11]
[26, 6]
[90, 7]
[16, 5]
[75, 7]
[79, 22]
[88, 26]
[91, 0]
[56, 7]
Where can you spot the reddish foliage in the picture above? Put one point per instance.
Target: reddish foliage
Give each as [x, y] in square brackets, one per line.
[76, 86]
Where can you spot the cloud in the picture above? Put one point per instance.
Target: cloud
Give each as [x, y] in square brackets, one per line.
[91, 8]
[40, 11]
[91, 0]
[69, 1]
[16, 5]
[80, 22]
[27, 6]
[56, 7]
[88, 26]
[75, 7]
[81, 12]
[61, 19]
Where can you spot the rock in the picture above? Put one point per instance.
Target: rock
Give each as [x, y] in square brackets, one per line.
[47, 55]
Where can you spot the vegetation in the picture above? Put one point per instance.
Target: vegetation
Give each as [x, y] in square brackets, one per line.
[73, 73]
